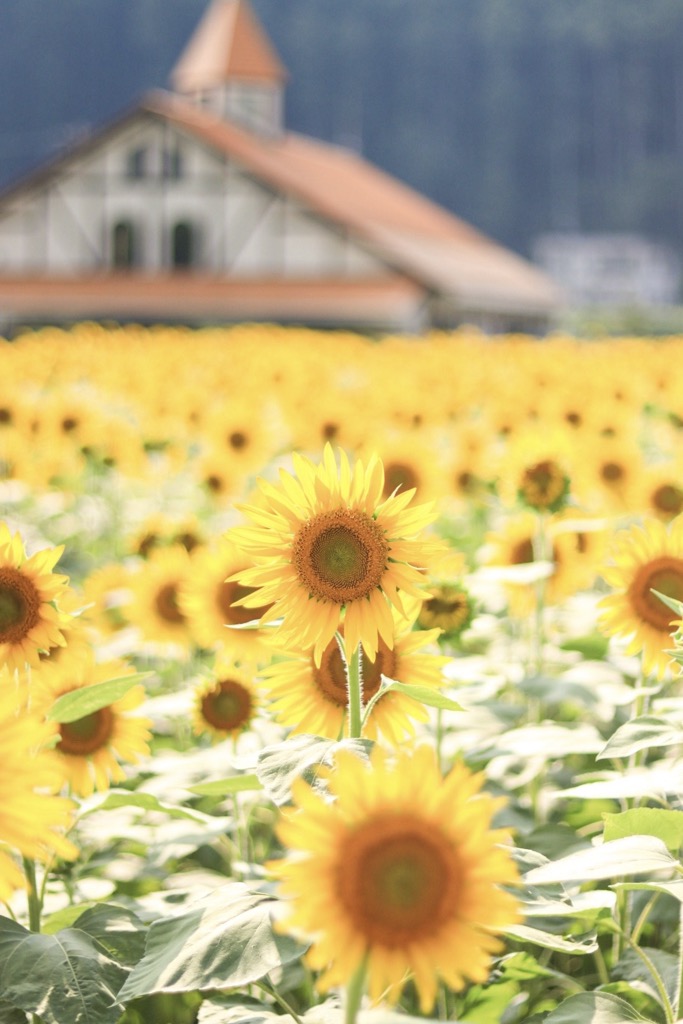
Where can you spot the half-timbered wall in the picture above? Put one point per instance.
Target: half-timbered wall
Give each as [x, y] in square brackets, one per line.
[149, 185]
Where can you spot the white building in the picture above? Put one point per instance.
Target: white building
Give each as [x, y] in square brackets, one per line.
[617, 269]
[197, 206]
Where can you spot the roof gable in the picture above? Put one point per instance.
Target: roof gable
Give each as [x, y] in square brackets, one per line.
[227, 44]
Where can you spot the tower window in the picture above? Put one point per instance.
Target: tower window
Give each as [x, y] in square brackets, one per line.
[137, 164]
[172, 164]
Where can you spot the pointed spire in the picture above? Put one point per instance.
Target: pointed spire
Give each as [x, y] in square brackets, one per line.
[228, 45]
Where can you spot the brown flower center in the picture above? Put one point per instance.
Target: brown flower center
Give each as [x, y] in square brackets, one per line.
[330, 677]
[449, 609]
[226, 594]
[340, 556]
[543, 485]
[612, 472]
[88, 734]
[19, 605]
[399, 476]
[238, 440]
[228, 706]
[166, 604]
[668, 498]
[398, 879]
[664, 574]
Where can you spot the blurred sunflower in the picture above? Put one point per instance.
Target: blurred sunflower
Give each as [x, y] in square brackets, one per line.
[644, 558]
[90, 749]
[226, 704]
[572, 552]
[329, 549]
[661, 490]
[206, 598]
[32, 818]
[30, 621]
[154, 606]
[106, 591]
[609, 474]
[535, 471]
[401, 870]
[450, 609]
[312, 698]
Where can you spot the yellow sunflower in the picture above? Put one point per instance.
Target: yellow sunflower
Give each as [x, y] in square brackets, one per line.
[644, 558]
[329, 549]
[154, 607]
[206, 598]
[401, 870]
[30, 621]
[90, 749]
[313, 698]
[225, 704]
[450, 609]
[536, 471]
[32, 818]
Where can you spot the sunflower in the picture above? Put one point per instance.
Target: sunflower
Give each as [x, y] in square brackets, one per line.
[644, 559]
[32, 818]
[206, 598]
[90, 749]
[330, 548]
[401, 869]
[572, 552]
[450, 609]
[313, 698]
[536, 471]
[225, 704]
[154, 607]
[30, 621]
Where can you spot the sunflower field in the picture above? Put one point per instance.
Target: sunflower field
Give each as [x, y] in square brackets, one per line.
[340, 677]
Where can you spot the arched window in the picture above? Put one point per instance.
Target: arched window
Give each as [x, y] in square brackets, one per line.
[137, 163]
[183, 245]
[172, 164]
[124, 244]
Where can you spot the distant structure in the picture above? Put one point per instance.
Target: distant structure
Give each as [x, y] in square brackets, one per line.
[197, 206]
[615, 270]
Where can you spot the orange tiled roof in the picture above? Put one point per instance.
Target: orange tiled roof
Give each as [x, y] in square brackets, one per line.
[227, 43]
[165, 297]
[411, 233]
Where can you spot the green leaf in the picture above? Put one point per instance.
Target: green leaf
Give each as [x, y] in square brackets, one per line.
[70, 976]
[548, 940]
[641, 782]
[87, 699]
[666, 825]
[673, 888]
[592, 646]
[631, 968]
[224, 787]
[10, 1014]
[670, 602]
[485, 1003]
[116, 929]
[632, 855]
[279, 765]
[224, 940]
[640, 734]
[114, 798]
[423, 694]
[594, 1008]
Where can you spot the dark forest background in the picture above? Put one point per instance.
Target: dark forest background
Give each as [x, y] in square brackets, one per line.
[522, 116]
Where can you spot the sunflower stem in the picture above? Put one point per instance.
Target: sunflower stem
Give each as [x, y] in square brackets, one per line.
[354, 680]
[354, 994]
[34, 902]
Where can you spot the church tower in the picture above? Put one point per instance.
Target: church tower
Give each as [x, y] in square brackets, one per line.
[229, 67]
